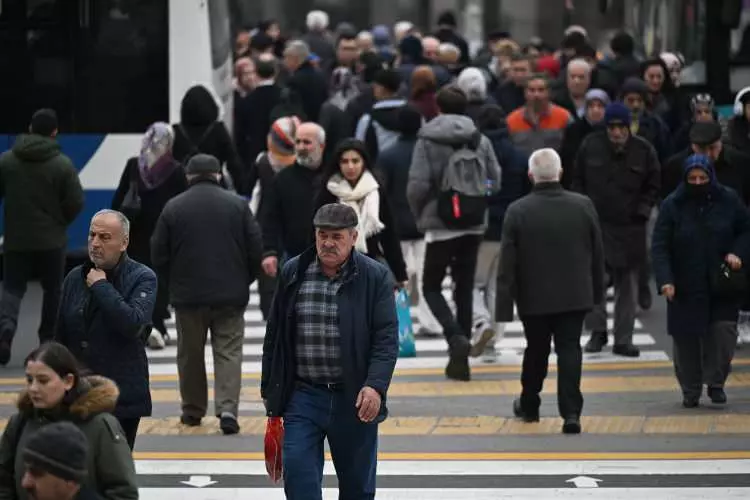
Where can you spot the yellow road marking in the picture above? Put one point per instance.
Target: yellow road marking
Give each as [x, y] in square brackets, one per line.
[467, 456]
[487, 426]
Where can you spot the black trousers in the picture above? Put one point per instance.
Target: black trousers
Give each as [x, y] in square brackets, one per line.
[700, 360]
[266, 290]
[565, 329]
[18, 269]
[460, 255]
[130, 428]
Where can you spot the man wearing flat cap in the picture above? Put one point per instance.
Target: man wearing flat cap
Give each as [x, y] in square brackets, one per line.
[731, 165]
[207, 246]
[328, 357]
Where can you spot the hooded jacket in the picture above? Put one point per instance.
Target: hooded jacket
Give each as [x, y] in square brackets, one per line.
[437, 141]
[42, 194]
[201, 131]
[379, 129]
[111, 471]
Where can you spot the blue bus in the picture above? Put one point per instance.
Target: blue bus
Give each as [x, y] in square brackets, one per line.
[109, 68]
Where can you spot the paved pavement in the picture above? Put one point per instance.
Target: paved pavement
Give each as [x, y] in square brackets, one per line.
[450, 439]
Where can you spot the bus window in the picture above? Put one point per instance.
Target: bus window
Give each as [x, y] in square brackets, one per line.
[739, 76]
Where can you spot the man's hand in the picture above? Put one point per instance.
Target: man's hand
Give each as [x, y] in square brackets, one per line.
[95, 275]
[270, 266]
[368, 404]
[734, 262]
[668, 291]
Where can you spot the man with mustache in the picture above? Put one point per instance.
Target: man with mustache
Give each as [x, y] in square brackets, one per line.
[328, 357]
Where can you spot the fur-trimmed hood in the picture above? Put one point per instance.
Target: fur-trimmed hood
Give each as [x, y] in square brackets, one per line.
[96, 395]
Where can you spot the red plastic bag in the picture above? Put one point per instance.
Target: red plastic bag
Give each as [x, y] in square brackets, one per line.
[273, 444]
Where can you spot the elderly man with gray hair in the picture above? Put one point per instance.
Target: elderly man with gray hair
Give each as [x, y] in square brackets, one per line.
[306, 84]
[105, 316]
[553, 270]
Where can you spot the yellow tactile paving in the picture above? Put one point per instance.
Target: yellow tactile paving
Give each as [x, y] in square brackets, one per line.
[487, 425]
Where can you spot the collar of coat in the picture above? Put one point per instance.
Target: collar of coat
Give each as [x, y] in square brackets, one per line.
[94, 395]
[111, 273]
[350, 267]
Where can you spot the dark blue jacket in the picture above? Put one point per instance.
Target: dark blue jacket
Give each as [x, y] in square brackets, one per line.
[367, 323]
[393, 166]
[514, 183]
[685, 254]
[105, 327]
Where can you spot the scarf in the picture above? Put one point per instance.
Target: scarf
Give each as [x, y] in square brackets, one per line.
[155, 161]
[364, 198]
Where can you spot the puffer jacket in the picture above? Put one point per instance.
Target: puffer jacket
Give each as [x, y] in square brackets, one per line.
[111, 471]
[437, 141]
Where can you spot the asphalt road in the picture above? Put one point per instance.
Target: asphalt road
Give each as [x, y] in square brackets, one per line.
[633, 417]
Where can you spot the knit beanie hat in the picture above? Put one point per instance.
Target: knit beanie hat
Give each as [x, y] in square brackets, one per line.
[597, 95]
[282, 135]
[60, 449]
[634, 85]
[617, 112]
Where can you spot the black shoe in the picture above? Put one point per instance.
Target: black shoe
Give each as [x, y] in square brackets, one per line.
[5, 350]
[597, 341]
[190, 421]
[458, 369]
[644, 298]
[229, 424]
[627, 350]
[717, 395]
[526, 416]
[691, 401]
[571, 425]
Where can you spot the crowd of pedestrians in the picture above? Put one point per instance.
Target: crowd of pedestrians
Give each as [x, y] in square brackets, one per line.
[362, 163]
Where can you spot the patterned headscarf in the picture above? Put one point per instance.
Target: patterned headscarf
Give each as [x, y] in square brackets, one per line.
[155, 162]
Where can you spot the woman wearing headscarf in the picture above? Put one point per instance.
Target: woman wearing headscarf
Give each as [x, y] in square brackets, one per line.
[701, 238]
[154, 177]
[350, 180]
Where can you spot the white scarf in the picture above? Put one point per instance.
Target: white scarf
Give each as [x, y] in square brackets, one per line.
[364, 198]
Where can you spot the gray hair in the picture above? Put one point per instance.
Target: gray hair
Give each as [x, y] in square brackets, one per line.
[318, 129]
[317, 20]
[580, 64]
[365, 35]
[298, 49]
[545, 165]
[473, 83]
[449, 48]
[124, 222]
[402, 28]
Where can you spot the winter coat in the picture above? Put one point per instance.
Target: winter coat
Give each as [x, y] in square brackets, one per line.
[311, 87]
[732, 170]
[207, 246]
[689, 242]
[552, 256]
[510, 96]
[571, 143]
[111, 471]
[367, 323]
[547, 133]
[514, 184]
[200, 131]
[41, 192]
[253, 121]
[437, 141]
[106, 325]
[153, 201]
[380, 128]
[654, 130]
[624, 187]
[393, 168]
[739, 133]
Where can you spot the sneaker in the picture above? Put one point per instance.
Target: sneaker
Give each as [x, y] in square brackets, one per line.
[486, 335]
[156, 340]
[229, 424]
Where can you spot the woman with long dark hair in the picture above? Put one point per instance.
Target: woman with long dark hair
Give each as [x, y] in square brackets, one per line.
[55, 391]
[349, 179]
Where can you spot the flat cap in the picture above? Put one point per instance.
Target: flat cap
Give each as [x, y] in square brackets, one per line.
[202, 164]
[335, 216]
[705, 133]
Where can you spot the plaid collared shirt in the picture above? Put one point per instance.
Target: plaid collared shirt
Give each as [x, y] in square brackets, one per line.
[318, 348]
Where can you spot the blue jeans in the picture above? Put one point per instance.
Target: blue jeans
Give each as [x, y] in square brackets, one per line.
[314, 413]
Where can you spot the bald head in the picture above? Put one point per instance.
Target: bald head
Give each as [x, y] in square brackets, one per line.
[431, 47]
[310, 144]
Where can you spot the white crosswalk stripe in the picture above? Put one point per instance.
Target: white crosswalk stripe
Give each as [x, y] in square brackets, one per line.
[480, 479]
[431, 352]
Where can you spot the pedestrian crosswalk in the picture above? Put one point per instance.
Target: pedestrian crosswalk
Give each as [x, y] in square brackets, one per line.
[470, 479]
[431, 352]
